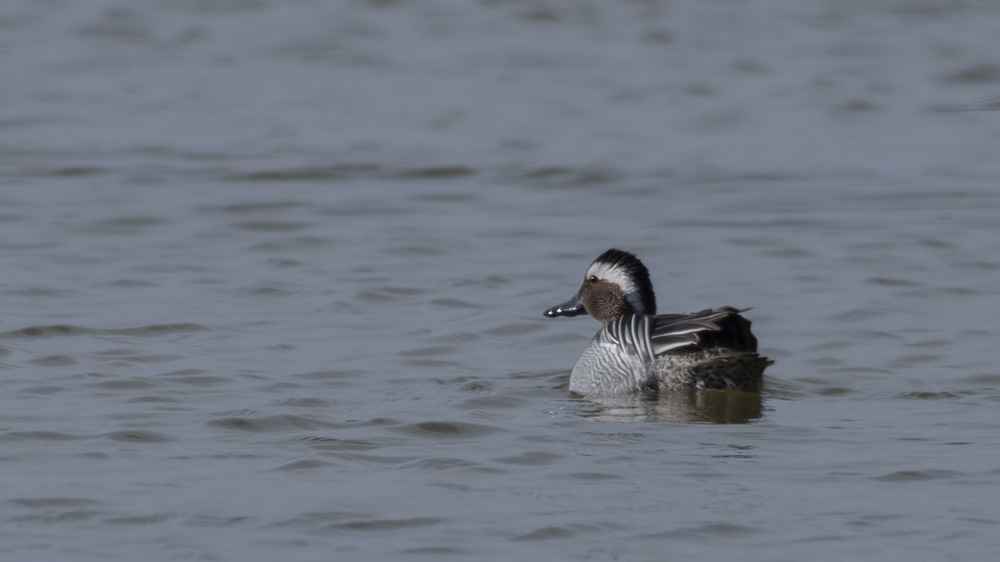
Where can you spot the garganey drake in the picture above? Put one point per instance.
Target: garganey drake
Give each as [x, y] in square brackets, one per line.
[640, 350]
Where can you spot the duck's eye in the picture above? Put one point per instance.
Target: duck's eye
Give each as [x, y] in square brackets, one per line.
[593, 279]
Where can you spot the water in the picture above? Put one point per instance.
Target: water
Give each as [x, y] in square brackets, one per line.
[274, 274]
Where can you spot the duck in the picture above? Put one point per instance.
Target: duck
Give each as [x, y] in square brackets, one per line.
[639, 350]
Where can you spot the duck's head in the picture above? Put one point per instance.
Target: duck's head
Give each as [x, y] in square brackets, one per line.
[615, 284]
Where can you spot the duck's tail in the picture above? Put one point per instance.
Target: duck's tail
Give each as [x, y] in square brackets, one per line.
[740, 371]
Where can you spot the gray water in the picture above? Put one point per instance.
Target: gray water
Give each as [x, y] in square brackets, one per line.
[273, 276]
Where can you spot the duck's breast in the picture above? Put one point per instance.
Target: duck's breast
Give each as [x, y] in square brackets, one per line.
[609, 365]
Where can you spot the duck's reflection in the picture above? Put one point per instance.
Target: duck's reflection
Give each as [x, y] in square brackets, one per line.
[681, 406]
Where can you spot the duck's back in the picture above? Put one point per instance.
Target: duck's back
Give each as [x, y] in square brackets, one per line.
[699, 331]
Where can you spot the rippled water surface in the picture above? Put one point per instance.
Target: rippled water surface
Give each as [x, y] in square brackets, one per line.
[273, 276]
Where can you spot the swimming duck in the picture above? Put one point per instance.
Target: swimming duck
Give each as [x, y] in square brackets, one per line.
[640, 350]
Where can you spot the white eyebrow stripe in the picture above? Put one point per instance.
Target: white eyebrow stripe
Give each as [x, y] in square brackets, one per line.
[613, 274]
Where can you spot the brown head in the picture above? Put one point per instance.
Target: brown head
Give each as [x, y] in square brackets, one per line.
[615, 284]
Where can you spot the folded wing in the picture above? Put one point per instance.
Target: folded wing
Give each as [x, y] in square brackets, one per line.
[682, 333]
